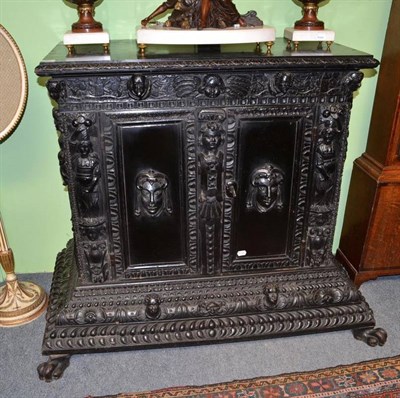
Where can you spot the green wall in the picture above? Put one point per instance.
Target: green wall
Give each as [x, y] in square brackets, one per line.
[33, 201]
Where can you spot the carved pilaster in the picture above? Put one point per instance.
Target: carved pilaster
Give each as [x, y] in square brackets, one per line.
[329, 156]
[212, 138]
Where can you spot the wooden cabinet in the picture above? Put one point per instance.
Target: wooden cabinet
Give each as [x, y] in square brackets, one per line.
[370, 241]
[204, 193]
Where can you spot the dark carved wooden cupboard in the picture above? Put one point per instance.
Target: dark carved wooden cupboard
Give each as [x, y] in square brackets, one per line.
[204, 192]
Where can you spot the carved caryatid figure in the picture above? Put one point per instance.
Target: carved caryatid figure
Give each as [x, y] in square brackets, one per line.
[211, 165]
[95, 248]
[152, 195]
[95, 253]
[62, 160]
[326, 162]
[317, 244]
[87, 172]
[265, 190]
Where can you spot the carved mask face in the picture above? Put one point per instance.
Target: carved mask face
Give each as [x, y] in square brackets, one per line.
[213, 86]
[212, 138]
[139, 85]
[265, 190]
[152, 188]
[267, 187]
[93, 233]
[329, 131]
[84, 148]
[271, 295]
[152, 303]
[266, 195]
[284, 82]
[152, 196]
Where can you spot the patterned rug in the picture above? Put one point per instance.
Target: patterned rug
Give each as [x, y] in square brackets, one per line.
[372, 379]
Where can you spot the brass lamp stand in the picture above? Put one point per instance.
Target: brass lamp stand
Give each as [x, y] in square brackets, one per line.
[20, 302]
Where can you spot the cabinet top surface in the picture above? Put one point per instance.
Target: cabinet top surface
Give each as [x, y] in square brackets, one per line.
[124, 57]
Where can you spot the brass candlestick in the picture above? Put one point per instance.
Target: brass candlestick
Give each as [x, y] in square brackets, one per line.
[86, 22]
[309, 20]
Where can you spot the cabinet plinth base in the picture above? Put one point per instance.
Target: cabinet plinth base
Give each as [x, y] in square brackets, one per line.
[90, 318]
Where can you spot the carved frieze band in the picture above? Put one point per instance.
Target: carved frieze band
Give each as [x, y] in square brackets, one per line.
[223, 89]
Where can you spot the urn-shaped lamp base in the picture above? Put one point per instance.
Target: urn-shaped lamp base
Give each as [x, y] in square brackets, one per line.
[309, 20]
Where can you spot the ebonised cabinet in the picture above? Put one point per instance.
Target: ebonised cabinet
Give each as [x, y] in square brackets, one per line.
[204, 191]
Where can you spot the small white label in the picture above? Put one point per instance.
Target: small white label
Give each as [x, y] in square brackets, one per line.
[241, 253]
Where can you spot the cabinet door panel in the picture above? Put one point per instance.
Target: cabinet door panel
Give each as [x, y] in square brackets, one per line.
[153, 193]
[265, 174]
[265, 219]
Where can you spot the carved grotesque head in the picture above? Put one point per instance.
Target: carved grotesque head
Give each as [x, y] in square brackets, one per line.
[152, 193]
[92, 228]
[139, 87]
[283, 81]
[271, 295]
[211, 137]
[265, 191]
[152, 302]
[330, 129]
[82, 125]
[85, 147]
[213, 86]
[353, 80]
